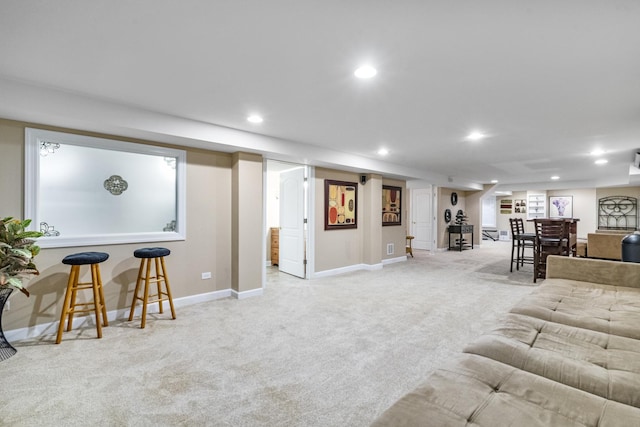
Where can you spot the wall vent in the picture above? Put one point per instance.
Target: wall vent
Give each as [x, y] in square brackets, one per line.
[504, 235]
[390, 249]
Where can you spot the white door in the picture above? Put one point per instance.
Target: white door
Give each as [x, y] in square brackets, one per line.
[292, 244]
[421, 218]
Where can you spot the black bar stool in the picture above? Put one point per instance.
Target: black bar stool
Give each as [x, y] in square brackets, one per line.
[146, 255]
[70, 306]
[519, 242]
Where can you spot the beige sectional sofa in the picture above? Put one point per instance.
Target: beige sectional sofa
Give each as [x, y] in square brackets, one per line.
[566, 355]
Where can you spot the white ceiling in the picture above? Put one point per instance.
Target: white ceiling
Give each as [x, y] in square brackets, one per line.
[547, 80]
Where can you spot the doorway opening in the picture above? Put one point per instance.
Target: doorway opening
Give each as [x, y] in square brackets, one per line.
[287, 217]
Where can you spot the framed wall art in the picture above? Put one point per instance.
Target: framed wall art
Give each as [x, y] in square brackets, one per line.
[447, 216]
[340, 205]
[391, 205]
[506, 206]
[561, 207]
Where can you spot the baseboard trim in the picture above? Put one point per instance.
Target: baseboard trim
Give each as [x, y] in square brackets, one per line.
[394, 260]
[247, 294]
[119, 314]
[347, 269]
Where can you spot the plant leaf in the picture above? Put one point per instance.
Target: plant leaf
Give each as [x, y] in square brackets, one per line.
[16, 282]
[25, 253]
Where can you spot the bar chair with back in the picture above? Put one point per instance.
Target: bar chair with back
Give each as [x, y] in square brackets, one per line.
[519, 242]
[552, 238]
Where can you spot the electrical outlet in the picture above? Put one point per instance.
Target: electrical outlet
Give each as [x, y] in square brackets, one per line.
[206, 275]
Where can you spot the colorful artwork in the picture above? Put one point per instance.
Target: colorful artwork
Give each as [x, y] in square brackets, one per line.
[341, 204]
[391, 205]
[506, 206]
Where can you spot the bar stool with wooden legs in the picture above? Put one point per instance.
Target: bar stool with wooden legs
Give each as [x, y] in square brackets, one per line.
[70, 305]
[409, 249]
[147, 255]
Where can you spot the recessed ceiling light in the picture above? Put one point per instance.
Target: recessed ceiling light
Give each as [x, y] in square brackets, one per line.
[597, 152]
[475, 136]
[255, 119]
[601, 161]
[494, 181]
[555, 177]
[383, 151]
[365, 72]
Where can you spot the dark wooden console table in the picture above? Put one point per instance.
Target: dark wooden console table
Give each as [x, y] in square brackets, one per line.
[460, 230]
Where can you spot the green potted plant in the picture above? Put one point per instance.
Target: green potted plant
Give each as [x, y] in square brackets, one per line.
[17, 249]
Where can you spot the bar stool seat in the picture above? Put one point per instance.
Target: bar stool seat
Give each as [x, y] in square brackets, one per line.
[151, 252]
[70, 305]
[147, 255]
[84, 258]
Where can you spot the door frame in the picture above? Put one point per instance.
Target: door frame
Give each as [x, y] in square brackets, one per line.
[431, 189]
[309, 196]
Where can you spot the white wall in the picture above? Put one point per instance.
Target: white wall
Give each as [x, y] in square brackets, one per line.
[273, 198]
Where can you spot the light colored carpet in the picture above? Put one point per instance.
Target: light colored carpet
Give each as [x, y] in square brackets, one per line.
[328, 352]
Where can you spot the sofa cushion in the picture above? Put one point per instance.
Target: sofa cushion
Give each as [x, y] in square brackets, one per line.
[476, 391]
[601, 364]
[606, 246]
[609, 309]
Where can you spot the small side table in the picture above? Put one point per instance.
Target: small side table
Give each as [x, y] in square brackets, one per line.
[460, 230]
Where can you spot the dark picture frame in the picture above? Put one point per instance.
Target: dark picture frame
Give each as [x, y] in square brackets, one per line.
[391, 205]
[447, 216]
[340, 205]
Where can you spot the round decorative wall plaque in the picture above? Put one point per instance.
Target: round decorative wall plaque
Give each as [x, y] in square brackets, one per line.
[115, 185]
[454, 199]
[447, 215]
